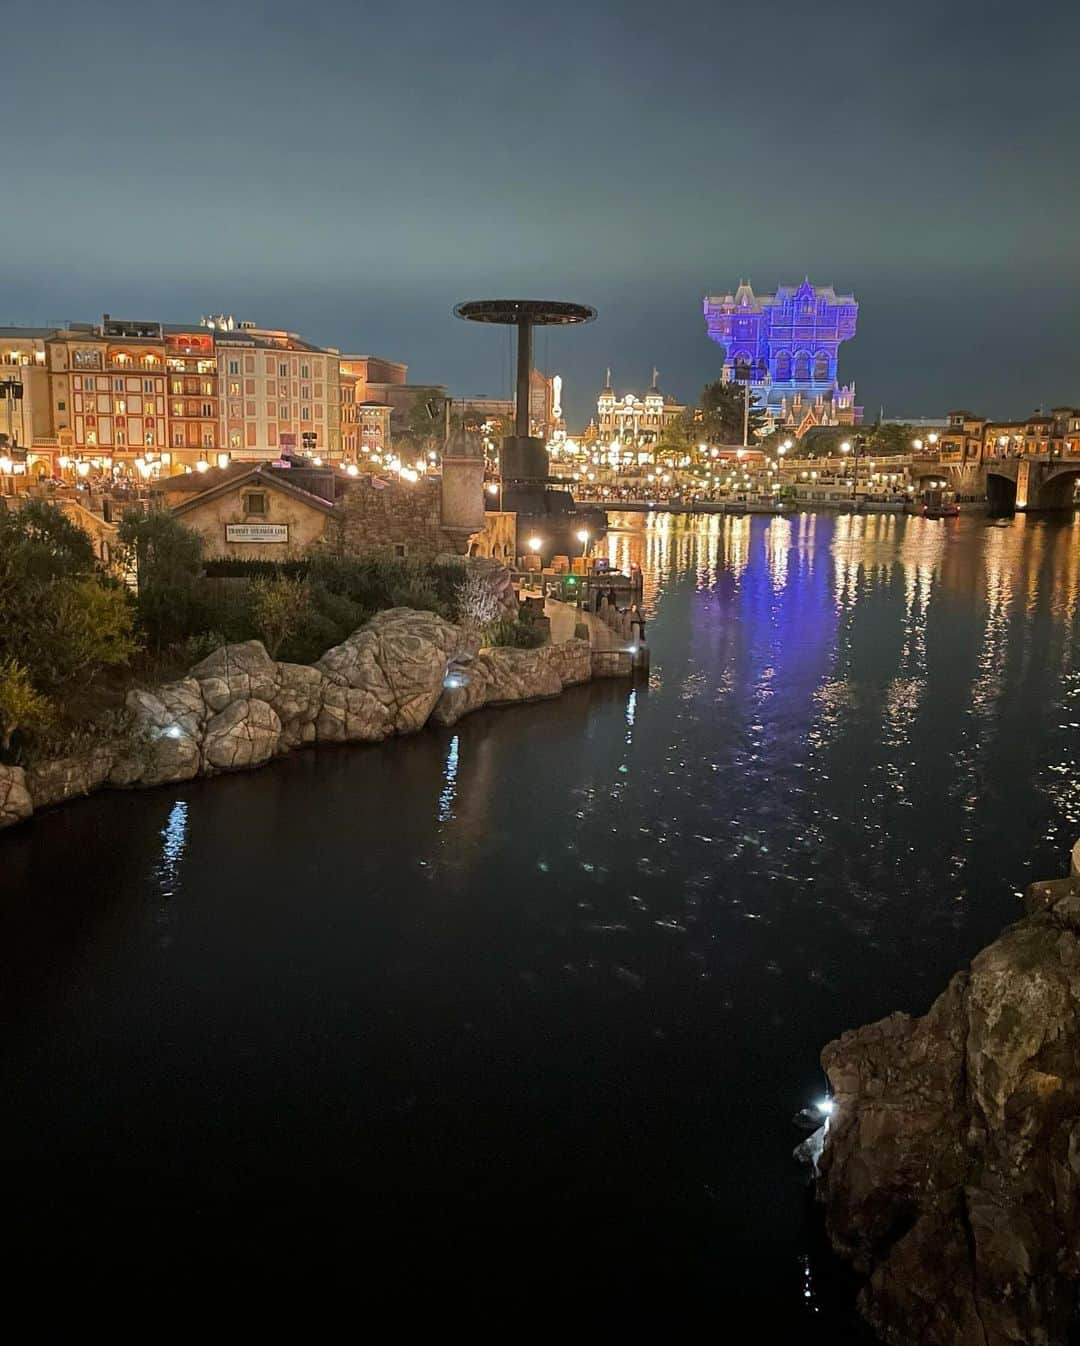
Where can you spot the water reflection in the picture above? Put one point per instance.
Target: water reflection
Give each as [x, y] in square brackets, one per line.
[592, 945]
[173, 841]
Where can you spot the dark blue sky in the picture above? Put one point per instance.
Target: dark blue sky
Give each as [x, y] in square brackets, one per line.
[352, 170]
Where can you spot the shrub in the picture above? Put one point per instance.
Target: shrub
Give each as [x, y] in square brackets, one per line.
[477, 602]
[22, 706]
[522, 635]
[82, 627]
[278, 609]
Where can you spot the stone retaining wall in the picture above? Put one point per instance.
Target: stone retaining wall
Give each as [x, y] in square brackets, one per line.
[239, 708]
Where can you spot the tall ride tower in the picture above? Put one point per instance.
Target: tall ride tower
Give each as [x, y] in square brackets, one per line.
[786, 346]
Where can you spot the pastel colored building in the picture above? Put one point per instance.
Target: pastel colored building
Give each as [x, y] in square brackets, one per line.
[278, 394]
[627, 418]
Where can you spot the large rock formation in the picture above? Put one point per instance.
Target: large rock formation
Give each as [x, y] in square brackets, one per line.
[499, 676]
[238, 708]
[950, 1173]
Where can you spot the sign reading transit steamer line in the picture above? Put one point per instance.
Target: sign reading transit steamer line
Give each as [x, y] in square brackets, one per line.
[256, 532]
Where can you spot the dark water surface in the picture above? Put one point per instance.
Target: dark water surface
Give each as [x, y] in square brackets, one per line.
[517, 1016]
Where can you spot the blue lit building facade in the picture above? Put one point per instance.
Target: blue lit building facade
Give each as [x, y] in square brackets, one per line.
[786, 346]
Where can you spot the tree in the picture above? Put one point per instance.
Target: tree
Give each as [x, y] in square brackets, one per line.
[885, 440]
[426, 423]
[83, 626]
[677, 436]
[39, 543]
[166, 558]
[722, 406]
[22, 706]
[279, 607]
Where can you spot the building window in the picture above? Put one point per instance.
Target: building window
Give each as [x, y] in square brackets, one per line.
[121, 439]
[148, 385]
[178, 436]
[234, 439]
[255, 502]
[399, 549]
[118, 385]
[234, 389]
[207, 409]
[305, 413]
[305, 371]
[283, 413]
[283, 371]
[234, 366]
[61, 406]
[208, 439]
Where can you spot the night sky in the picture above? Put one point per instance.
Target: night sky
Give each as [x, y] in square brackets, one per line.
[351, 170]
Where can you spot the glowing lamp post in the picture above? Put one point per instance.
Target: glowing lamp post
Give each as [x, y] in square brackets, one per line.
[583, 538]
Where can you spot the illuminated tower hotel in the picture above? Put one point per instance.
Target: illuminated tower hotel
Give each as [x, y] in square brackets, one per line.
[785, 345]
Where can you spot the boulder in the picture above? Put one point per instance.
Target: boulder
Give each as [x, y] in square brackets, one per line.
[244, 734]
[65, 777]
[502, 674]
[350, 715]
[15, 801]
[950, 1172]
[297, 703]
[167, 730]
[400, 659]
[236, 672]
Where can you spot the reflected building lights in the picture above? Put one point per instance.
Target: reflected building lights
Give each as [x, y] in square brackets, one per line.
[448, 793]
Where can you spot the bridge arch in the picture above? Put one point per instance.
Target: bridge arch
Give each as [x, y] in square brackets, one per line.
[1058, 490]
[1000, 491]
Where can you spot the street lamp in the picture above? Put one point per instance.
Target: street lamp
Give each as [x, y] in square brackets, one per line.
[535, 544]
[583, 538]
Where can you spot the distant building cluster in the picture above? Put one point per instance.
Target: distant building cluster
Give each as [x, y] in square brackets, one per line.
[169, 397]
[785, 346]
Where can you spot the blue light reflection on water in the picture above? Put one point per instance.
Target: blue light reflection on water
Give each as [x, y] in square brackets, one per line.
[576, 960]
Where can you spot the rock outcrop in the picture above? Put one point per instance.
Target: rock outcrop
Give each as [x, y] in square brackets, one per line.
[239, 708]
[497, 677]
[950, 1172]
[15, 801]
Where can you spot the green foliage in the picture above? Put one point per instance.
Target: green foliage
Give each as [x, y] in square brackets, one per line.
[166, 559]
[677, 436]
[722, 406]
[885, 440]
[22, 706]
[279, 606]
[39, 543]
[249, 568]
[522, 635]
[59, 738]
[82, 627]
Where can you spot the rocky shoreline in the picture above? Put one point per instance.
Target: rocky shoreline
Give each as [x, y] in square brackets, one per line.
[950, 1167]
[239, 709]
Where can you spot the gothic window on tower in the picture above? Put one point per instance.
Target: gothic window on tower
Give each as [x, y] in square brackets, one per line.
[802, 367]
[783, 367]
[821, 366]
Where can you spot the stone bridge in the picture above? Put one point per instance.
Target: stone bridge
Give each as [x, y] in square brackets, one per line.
[1024, 484]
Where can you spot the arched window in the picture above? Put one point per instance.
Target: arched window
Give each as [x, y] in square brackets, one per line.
[783, 367]
[802, 367]
[821, 366]
[742, 366]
